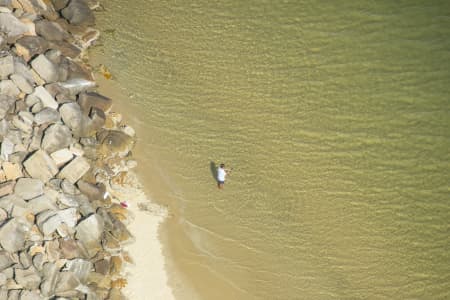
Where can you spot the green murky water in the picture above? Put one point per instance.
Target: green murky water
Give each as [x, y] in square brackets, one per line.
[335, 116]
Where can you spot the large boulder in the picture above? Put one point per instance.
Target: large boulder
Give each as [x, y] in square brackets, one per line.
[22, 83]
[56, 137]
[51, 31]
[74, 86]
[6, 103]
[92, 99]
[28, 278]
[89, 232]
[115, 142]
[75, 169]
[12, 26]
[46, 69]
[28, 46]
[78, 13]
[40, 165]
[47, 115]
[29, 188]
[45, 97]
[13, 234]
[6, 66]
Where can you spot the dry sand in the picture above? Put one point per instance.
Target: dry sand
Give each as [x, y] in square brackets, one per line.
[147, 277]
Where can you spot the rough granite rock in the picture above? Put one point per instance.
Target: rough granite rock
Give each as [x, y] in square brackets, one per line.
[78, 13]
[56, 137]
[44, 96]
[22, 83]
[40, 165]
[89, 232]
[13, 234]
[47, 115]
[92, 99]
[28, 46]
[51, 31]
[46, 69]
[6, 66]
[29, 188]
[28, 278]
[12, 26]
[75, 169]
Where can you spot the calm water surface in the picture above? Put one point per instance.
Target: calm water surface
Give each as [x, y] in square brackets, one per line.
[335, 116]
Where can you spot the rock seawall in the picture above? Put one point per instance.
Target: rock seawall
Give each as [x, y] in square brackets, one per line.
[61, 151]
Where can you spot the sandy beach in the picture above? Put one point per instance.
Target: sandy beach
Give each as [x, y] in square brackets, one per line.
[147, 275]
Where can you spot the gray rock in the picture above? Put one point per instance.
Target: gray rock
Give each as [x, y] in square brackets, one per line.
[7, 148]
[89, 232]
[29, 188]
[50, 272]
[47, 115]
[66, 284]
[29, 46]
[14, 294]
[6, 103]
[21, 68]
[75, 86]
[62, 156]
[92, 99]
[28, 278]
[36, 139]
[56, 137]
[40, 165]
[80, 267]
[30, 295]
[12, 26]
[41, 203]
[5, 3]
[51, 31]
[44, 96]
[67, 49]
[60, 4]
[22, 83]
[5, 260]
[78, 13]
[25, 259]
[93, 192]
[23, 126]
[73, 117]
[45, 68]
[49, 221]
[6, 188]
[13, 234]
[6, 66]
[75, 170]
[7, 87]
[115, 142]
[69, 188]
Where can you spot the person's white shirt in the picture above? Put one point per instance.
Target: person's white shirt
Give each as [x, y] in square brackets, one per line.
[221, 173]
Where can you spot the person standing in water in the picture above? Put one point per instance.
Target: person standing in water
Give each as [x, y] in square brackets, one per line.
[221, 174]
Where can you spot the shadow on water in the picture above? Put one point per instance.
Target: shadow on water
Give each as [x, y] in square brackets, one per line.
[213, 169]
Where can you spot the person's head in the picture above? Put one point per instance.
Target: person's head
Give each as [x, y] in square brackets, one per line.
[222, 166]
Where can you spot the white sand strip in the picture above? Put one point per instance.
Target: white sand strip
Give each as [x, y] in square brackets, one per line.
[147, 277]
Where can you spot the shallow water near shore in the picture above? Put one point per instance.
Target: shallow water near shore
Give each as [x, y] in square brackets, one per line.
[336, 121]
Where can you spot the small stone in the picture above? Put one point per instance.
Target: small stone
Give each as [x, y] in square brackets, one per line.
[41, 203]
[44, 96]
[29, 46]
[56, 137]
[5, 260]
[66, 284]
[29, 188]
[47, 115]
[12, 170]
[80, 267]
[40, 165]
[75, 169]
[22, 83]
[62, 156]
[6, 66]
[7, 148]
[45, 68]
